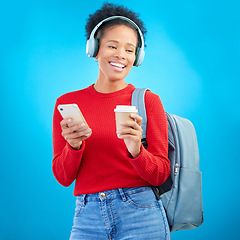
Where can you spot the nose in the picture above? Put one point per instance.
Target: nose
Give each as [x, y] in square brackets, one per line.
[120, 53]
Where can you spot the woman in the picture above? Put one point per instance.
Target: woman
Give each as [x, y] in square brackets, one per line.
[113, 171]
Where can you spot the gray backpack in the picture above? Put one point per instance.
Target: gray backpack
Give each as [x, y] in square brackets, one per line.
[181, 193]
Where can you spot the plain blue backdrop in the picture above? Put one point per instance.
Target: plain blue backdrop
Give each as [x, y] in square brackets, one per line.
[192, 62]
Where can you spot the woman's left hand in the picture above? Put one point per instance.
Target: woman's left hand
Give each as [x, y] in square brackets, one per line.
[132, 134]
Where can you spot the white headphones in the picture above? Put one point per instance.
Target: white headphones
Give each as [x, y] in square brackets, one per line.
[92, 43]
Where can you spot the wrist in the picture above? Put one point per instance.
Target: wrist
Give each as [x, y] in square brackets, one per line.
[78, 147]
[136, 154]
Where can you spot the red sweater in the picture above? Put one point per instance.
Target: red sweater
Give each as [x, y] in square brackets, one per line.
[103, 162]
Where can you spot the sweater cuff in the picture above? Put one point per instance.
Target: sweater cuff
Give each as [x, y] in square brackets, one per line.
[142, 149]
[140, 161]
[75, 150]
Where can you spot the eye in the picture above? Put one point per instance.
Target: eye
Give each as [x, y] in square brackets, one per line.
[129, 50]
[112, 47]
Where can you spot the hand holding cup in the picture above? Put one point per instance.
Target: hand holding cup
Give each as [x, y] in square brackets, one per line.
[128, 125]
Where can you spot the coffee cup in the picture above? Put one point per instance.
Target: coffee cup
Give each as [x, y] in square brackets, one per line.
[122, 113]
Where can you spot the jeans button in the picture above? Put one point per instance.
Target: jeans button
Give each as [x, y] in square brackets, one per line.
[102, 194]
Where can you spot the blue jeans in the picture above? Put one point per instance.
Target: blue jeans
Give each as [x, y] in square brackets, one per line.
[120, 214]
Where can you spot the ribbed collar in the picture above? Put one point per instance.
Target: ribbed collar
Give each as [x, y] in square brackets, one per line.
[127, 89]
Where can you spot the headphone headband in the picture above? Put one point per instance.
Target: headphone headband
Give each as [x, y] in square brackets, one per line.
[123, 18]
[92, 43]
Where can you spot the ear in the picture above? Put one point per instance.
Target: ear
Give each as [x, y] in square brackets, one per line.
[96, 53]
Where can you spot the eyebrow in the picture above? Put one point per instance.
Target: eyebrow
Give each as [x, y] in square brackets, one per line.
[115, 41]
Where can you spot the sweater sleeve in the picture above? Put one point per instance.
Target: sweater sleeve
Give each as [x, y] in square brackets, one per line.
[153, 164]
[66, 160]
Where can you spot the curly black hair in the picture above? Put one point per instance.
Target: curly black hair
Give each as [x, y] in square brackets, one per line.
[109, 10]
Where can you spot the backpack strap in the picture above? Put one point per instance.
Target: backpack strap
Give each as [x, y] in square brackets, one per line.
[138, 100]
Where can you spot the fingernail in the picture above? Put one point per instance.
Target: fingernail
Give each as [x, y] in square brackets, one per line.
[82, 125]
[69, 120]
[132, 115]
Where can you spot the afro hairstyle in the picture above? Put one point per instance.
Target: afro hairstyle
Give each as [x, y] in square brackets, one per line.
[109, 10]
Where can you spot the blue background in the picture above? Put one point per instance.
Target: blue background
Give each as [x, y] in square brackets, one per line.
[192, 62]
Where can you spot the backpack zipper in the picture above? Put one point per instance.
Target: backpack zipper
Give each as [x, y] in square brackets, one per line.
[176, 169]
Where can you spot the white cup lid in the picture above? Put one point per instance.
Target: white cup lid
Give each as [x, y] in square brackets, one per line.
[125, 108]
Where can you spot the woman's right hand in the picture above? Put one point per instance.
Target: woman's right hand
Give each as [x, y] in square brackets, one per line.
[75, 134]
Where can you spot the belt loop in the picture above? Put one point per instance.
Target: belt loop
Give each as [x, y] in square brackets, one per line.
[122, 194]
[84, 199]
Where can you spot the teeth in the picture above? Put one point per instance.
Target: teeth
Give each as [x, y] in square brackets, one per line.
[117, 65]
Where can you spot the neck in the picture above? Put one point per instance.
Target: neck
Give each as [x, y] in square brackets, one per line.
[109, 87]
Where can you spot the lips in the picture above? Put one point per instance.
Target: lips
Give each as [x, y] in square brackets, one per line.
[117, 65]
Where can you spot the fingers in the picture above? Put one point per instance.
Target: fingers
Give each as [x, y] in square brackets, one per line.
[64, 123]
[131, 128]
[69, 129]
[75, 134]
[137, 118]
[136, 124]
[128, 133]
[83, 134]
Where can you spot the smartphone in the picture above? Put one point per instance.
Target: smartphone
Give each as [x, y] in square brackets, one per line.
[72, 111]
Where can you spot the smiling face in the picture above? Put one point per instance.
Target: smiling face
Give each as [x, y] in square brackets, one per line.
[116, 53]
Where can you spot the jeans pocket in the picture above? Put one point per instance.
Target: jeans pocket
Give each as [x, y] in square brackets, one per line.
[142, 199]
[163, 211]
[79, 206]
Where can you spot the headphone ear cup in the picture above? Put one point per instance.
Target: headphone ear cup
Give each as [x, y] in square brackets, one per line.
[92, 47]
[139, 57]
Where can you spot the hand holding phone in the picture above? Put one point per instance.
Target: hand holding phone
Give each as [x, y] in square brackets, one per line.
[74, 132]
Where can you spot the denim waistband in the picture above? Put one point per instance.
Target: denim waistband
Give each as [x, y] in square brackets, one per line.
[110, 194]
